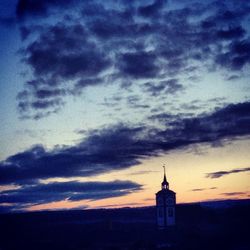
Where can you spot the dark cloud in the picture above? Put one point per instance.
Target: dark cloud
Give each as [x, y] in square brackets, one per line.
[30, 7]
[104, 29]
[237, 55]
[231, 15]
[229, 121]
[223, 173]
[121, 146]
[60, 57]
[72, 191]
[68, 50]
[126, 42]
[138, 65]
[47, 93]
[45, 104]
[103, 151]
[152, 10]
[40, 8]
[231, 33]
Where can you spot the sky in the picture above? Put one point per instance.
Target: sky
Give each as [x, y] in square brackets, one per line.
[97, 96]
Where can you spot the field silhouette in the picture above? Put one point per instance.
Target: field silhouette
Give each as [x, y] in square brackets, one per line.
[213, 225]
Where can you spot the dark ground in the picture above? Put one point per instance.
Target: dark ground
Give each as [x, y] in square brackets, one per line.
[199, 226]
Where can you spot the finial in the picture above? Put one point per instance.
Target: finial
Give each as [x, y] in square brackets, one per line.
[164, 169]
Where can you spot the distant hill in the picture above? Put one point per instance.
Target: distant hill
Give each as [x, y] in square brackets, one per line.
[225, 203]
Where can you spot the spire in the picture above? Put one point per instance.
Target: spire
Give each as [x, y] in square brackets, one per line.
[164, 184]
[164, 179]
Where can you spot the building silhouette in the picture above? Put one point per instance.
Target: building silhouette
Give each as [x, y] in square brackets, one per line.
[165, 205]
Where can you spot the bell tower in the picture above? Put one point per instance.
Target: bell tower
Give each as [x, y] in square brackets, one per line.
[165, 205]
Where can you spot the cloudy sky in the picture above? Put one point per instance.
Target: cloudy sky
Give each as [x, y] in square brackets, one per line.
[97, 95]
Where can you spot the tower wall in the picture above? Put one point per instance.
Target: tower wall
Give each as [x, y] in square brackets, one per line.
[165, 208]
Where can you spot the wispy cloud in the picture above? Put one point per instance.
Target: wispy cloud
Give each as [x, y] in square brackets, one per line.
[142, 172]
[202, 189]
[219, 174]
[234, 193]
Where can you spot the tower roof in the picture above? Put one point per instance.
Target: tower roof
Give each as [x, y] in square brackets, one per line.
[166, 192]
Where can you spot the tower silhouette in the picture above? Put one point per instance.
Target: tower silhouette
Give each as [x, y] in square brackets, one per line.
[165, 205]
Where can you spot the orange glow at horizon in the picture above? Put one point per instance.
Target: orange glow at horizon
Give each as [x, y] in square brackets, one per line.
[186, 171]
